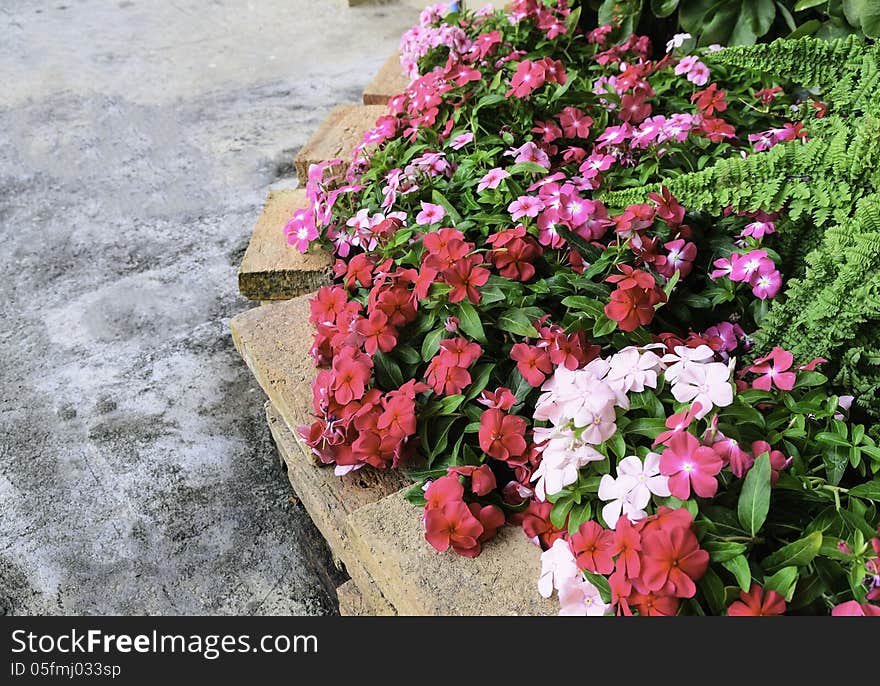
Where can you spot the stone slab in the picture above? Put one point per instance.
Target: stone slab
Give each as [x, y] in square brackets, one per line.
[351, 602]
[272, 269]
[390, 81]
[337, 136]
[274, 341]
[330, 499]
[389, 540]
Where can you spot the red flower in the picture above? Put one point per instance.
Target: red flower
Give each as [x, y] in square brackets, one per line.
[626, 546]
[446, 489]
[668, 208]
[710, 100]
[852, 608]
[575, 124]
[529, 76]
[377, 333]
[633, 107]
[592, 547]
[514, 253]
[778, 461]
[459, 352]
[689, 464]
[532, 362]
[672, 560]
[399, 415]
[774, 368]
[502, 436]
[351, 372]
[757, 603]
[633, 305]
[360, 269]
[466, 277]
[453, 524]
[446, 380]
[482, 478]
[535, 521]
[491, 518]
[653, 605]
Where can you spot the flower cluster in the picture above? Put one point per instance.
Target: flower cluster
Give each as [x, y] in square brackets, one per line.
[539, 353]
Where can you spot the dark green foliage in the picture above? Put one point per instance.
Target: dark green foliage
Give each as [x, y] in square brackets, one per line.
[830, 189]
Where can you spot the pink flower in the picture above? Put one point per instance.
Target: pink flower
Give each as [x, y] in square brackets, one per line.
[690, 465]
[430, 214]
[758, 229]
[595, 164]
[529, 152]
[492, 178]
[461, 140]
[697, 72]
[301, 230]
[753, 262]
[525, 206]
[774, 371]
[766, 284]
[677, 423]
[529, 76]
[579, 598]
[852, 608]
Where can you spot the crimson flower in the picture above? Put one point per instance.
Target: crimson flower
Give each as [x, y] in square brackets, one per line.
[446, 489]
[633, 307]
[377, 333]
[757, 603]
[688, 464]
[351, 372]
[454, 525]
[672, 560]
[654, 605]
[710, 100]
[592, 546]
[466, 277]
[501, 435]
[774, 370]
[491, 518]
[482, 478]
[532, 362]
[626, 546]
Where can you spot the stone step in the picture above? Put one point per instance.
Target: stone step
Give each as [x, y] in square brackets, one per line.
[274, 341]
[272, 269]
[337, 137]
[351, 602]
[417, 580]
[329, 499]
[390, 81]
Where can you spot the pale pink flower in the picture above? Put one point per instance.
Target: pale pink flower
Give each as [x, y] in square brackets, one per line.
[706, 384]
[492, 178]
[633, 370]
[525, 206]
[562, 455]
[430, 214]
[461, 140]
[558, 567]
[618, 494]
[579, 598]
[683, 357]
[647, 475]
[677, 41]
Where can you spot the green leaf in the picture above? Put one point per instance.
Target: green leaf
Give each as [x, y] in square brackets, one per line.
[439, 199]
[713, 589]
[802, 5]
[517, 322]
[431, 344]
[578, 515]
[722, 551]
[870, 490]
[663, 8]
[469, 321]
[783, 582]
[560, 511]
[387, 371]
[796, 554]
[601, 584]
[603, 326]
[739, 567]
[649, 427]
[481, 374]
[754, 500]
[527, 168]
[581, 303]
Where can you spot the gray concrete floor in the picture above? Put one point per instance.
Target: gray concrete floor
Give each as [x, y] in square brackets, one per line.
[138, 139]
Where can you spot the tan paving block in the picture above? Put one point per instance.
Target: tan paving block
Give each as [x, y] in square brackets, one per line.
[417, 580]
[274, 341]
[351, 602]
[272, 269]
[330, 499]
[337, 137]
[390, 81]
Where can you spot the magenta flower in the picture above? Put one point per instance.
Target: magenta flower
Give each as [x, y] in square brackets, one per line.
[753, 262]
[529, 152]
[766, 284]
[525, 206]
[301, 230]
[758, 229]
[460, 141]
[492, 178]
[688, 464]
[774, 371]
[430, 214]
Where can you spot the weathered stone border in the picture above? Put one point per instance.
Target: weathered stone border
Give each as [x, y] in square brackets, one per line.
[390, 81]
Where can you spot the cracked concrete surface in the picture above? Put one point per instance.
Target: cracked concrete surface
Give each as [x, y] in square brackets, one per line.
[138, 139]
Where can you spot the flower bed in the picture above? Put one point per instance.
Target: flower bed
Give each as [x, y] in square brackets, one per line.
[624, 300]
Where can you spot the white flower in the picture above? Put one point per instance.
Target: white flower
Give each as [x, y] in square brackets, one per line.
[558, 567]
[685, 357]
[633, 370]
[618, 492]
[562, 455]
[677, 41]
[706, 384]
[648, 478]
